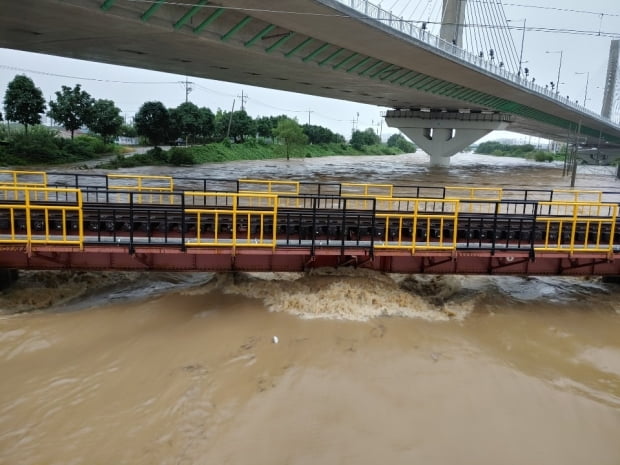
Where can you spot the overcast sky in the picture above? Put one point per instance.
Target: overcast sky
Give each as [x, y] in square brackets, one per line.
[582, 53]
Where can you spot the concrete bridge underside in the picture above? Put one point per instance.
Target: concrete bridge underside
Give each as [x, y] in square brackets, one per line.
[330, 50]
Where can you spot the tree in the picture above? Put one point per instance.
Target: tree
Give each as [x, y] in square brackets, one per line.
[264, 127]
[399, 141]
[105, 119]
[153, 122]
[321, 135]
[185, 120]
[127, 130]
[72, 108]
[220, 124]
[207, 124]
[241, 126]
[236, 125]
[367, 137]
[23, 102]
[291, 133]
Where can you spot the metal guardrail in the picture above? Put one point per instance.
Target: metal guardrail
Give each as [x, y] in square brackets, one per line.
[268, 185]
[430, 225]
[154, 188]
[17, 179]
[244, 224]
[43, 222]
[407, 27]
[578, 227]
[257, 220]
[95, 189]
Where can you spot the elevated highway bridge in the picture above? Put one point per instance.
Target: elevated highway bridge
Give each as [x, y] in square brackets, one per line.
[442, 96]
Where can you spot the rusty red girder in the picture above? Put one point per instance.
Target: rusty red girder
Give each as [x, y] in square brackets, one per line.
[303, 259]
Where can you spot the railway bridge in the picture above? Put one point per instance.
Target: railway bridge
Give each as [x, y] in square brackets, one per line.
[135, 222]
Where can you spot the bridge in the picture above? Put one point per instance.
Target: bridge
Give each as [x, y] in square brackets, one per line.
[442, 96]
[135, 222]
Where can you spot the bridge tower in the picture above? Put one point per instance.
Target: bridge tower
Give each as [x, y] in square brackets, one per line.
[443, 132]
[452, 21]
[611, 79]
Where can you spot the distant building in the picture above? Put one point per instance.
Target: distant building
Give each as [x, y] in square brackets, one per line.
[122, 140]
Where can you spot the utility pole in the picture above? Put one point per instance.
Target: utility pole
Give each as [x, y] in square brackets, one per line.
[244, 98]
[575, 150]
[585, 95]
[230, 120]
[188, 88]
[309, 111]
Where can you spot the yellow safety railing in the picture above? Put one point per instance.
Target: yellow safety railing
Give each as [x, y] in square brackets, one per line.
[473, 193]
[354, 189]
[30, 222]
[570, 208]
[482, 199]
[268, 186]
[24, 179]
[426, 227]
[410, 204]
[572, 195]
[577, 227]
[228, 219]
[155, 189]
[258, 186]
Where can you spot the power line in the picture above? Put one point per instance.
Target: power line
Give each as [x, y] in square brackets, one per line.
[567, 10]
[531, 28]
[45, 73]
[232, 8]
[340, 15]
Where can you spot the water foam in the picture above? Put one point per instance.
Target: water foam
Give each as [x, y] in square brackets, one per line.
[76, 290]
[348, 294]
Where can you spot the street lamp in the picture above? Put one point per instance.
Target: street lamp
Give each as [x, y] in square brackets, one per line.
[557, 84]
[585, 95]
[522, 42]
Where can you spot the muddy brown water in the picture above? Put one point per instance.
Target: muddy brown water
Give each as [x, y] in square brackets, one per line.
[163, 368]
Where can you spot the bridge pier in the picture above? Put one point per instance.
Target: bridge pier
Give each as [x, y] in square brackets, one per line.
[442, 133]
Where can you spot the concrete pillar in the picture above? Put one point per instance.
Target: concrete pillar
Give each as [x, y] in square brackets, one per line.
[452, 20]
[442, 134]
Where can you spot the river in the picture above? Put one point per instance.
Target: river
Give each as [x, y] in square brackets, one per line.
[331, 367]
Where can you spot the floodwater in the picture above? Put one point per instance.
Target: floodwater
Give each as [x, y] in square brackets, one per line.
[332, 367]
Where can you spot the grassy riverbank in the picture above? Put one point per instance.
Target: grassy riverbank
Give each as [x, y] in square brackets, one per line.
[43, 146]
[251, 150]
[527, 151]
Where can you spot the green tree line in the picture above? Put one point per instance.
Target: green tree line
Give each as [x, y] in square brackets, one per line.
[515, 150]
[73, 109]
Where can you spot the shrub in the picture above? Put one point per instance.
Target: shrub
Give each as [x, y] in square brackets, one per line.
[85, 147]
[38, 145]
[179, 156]
[543, 156]
[157, 154]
